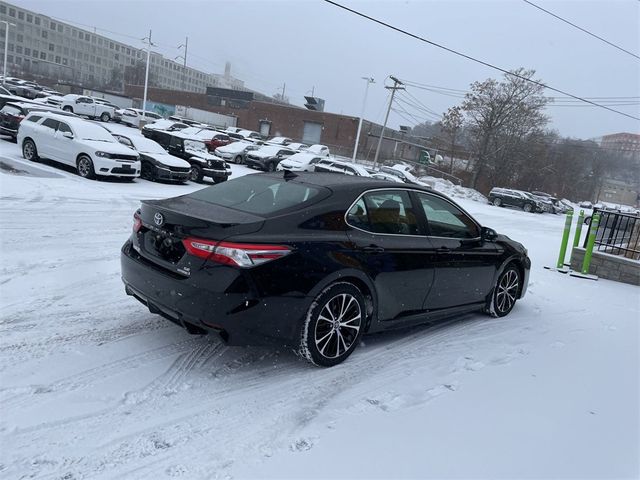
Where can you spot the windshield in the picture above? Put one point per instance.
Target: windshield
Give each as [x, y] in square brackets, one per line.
[145, 145]
[197, 145]
[269, 151]
[262, 195]
[90, 131]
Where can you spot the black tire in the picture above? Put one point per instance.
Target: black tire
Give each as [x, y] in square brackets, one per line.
[105, 117]
[29, 150]
[196, 174]
[527, 207]
[238, 160]
[85, 167]
[68, 109]
[326, 340]
[146, 171]
[506, 292]
[497, 202]
[271, 167]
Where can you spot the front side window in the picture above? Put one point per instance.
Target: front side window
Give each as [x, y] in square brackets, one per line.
[446, 220]
[63, 127]
[387, 212]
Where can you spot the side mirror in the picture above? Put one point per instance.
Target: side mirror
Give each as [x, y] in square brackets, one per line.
[68, 135]
[489, 234]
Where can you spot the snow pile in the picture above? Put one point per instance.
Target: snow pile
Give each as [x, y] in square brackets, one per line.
[452, 190]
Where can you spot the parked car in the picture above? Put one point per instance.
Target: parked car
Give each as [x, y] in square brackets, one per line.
[86, 106]
[235, 152]
[161, 130]
[298, 147]
[211, 137]
[203, 163]
[267, 157]
[328, 165]
[14, 112]
[191, 123]
[557, 206]
[74, 141]
[506, 197]
[321, 150]
[585, 204]
[249, 135]
[300, 162]
[279, 141]
[545, 202]
[384, 176]
[379, 257]
[155, 162]
[24, 88]
[404, 174]
[133, 116]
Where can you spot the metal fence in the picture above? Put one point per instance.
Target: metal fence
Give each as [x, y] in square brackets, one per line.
[617, 234]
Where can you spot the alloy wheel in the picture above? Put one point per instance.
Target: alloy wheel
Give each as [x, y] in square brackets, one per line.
[338, 325]
[84, 167]
[507, 291]
[29, 150]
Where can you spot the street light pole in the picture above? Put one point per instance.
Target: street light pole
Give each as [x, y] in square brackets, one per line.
[6, 48]
[369, 80]
[396, 86]
[146, 74]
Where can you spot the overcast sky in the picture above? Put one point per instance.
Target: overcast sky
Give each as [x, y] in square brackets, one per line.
[309, 43]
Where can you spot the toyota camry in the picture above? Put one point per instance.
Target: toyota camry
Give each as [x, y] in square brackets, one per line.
[315, 260]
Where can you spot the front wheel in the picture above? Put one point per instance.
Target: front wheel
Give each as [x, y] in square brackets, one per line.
[29, 151]
[497, 202]
[85, 168]
[505, 292]
[333, 325]
[238, 160]
[146, 171]
[196, 174]
[527, 207]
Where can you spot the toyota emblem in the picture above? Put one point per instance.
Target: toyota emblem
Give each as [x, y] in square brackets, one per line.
[158, 219]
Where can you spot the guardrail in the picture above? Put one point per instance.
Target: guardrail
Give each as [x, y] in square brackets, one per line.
[617, 234]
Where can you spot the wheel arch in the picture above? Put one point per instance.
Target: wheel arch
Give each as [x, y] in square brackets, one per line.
[361, 281]
[83, 154]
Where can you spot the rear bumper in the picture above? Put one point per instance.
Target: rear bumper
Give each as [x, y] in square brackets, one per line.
[4, 130]
[215, 299]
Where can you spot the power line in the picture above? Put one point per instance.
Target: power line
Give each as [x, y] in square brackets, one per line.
[481, 62]
[582, 29]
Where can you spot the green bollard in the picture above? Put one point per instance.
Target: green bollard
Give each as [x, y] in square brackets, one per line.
[595, 220]
[576, 239]
[565, 239]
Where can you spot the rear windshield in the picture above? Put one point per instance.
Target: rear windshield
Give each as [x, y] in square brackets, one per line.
[260, 194]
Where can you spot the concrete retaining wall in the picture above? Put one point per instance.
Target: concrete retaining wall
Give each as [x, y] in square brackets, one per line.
[611, 267]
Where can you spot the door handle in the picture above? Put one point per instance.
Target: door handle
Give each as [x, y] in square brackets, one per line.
[373, 249]
[443, 250]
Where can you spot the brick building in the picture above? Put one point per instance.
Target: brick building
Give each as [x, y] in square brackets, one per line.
[277, 119]
[627, 143]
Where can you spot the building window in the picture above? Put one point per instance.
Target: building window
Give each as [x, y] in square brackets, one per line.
[52, 26]
[45, 34]
[12, 13]
[27, 51]
[35, 54]
[43, 55]
[18, 49]
[20, 16]
[29, 18]
[59, 28]
[3, 9]
[19, 38]
[51, 47]
[58, 59]
[64, 61]
[37, 20]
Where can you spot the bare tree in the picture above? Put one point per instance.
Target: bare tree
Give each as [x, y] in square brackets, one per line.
[451, 124]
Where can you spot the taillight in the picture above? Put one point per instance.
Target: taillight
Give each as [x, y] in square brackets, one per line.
[236, 254]
[137, 222]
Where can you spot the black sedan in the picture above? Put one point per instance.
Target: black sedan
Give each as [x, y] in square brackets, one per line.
[315, 260]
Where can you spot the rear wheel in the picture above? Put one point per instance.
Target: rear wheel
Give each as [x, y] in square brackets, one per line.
[29, 150]
[105, 117]
[68, 109]
[497, 202]
[147, 171]
[505, 292]
[238, 159]
[196, 173]
[527, 207]
[333, 326]
[85, 167]
[271, 167]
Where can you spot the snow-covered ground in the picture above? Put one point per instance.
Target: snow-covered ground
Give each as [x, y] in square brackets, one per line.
[94, 386]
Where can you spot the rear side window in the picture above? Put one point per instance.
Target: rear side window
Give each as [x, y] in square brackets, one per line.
[51, 123]
[389, 212]
[261, 195]
[33, 118]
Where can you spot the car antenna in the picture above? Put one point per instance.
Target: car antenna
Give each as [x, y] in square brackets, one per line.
[289, 175]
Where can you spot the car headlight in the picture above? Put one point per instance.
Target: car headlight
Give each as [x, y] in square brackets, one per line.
[103, 154]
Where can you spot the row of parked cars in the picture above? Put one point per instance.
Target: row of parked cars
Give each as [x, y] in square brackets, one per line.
[537, 202]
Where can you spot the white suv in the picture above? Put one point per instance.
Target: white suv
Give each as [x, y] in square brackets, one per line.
[87, 106]
[73, 141]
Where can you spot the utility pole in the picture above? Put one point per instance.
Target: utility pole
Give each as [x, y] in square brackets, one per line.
[369, 80]
[6, 47]
[284, 88]
[146, 74]
[184, 64]
[397, 85]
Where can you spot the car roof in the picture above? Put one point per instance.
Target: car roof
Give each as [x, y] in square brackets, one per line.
[337, 181]
[62, 116]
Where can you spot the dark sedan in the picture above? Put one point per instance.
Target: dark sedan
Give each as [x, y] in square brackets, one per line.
[314, 261]
[267, 157]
